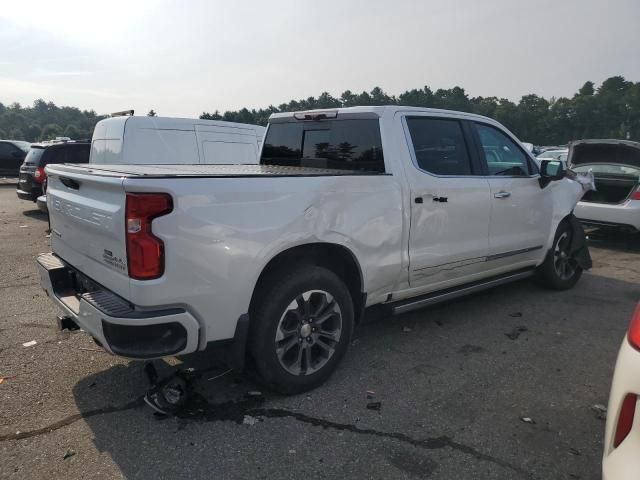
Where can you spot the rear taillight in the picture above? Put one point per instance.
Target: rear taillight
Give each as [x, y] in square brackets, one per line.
[39, 175]
[634, 329]
[145, 251]
[636, 195]
[625, 419]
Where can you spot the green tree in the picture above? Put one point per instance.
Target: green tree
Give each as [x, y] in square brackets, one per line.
[152, 113]
[72, 131]
[50, 131]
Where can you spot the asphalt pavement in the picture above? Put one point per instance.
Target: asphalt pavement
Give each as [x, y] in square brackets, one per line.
[453, 382]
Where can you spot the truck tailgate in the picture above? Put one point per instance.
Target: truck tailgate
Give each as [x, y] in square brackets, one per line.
[87, 215]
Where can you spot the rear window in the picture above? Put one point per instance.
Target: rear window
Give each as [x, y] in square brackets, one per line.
[338, 144]
[33, 156]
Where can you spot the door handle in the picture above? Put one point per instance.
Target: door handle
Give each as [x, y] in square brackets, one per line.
[440, 199]
[502, 194]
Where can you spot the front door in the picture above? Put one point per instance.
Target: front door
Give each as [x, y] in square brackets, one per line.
[521, 211]
[450, 204]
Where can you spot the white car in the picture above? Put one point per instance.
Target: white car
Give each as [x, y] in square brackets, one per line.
[621, 459]
[348, 208]
[616, 168]
[560, 155]
[166, 140]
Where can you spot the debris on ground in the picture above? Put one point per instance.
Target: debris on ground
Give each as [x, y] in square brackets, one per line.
[254, 394]
[370, 394]
[516, 314]
[99, 350]
[528, 420]
[7, 377]
[220, 375]
[377, 406]
[170, 395]
[601, 411]
[515, 333]
[355, 342]
[68, 454]
[249, 420]
[407, 329]
[292, 451]
[30, 344]
[575, 452]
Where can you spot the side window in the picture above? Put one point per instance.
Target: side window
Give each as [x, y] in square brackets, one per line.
[502, 155]
[439, 146]
[6, 150]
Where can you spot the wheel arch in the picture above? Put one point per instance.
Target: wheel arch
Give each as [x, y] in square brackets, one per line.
[335, 257]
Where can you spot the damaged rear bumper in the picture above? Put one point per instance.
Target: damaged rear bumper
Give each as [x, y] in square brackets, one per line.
[122, 329]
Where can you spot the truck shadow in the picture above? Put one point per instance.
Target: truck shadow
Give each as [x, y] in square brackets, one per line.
[232, 432]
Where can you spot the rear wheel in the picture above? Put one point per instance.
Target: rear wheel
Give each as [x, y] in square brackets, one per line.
[301, 328]
[560, 269]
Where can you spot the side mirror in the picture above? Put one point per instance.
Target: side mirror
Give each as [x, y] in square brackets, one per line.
[551, 170]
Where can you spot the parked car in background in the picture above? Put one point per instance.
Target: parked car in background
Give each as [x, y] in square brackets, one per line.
[559, 154]
[32, 172]
[348, 208]
[616, 169]
[163, 140]
[12, 153]
[621, 460]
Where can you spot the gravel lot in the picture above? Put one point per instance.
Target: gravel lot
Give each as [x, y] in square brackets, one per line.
[453, 382]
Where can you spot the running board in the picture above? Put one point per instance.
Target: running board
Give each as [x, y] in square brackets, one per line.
[455, 292]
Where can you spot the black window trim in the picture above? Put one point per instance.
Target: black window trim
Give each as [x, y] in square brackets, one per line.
[533, 166]
[477, 167]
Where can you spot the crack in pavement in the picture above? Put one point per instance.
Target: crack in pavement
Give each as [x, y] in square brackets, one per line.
[431, 443]
[233, 411]
[71, 419]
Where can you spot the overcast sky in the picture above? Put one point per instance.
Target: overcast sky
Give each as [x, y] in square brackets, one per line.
[185, 57]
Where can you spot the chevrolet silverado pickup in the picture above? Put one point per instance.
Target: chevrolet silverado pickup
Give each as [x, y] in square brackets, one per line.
[348, 208]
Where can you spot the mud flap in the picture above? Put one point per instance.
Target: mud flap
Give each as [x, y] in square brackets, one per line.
[579, 247]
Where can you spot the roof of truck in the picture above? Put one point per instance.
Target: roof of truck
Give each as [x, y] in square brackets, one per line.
[373, 112]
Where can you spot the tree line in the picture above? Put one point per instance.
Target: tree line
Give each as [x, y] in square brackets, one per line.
[612, 110]
[45, 121]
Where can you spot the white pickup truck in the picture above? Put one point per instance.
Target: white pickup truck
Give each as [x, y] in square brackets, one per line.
[347, 209]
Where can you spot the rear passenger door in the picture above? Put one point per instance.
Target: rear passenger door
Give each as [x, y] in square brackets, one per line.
[520, 211]
[450, 203]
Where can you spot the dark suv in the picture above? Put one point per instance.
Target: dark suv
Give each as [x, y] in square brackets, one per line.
[12, 153]
[32, 175]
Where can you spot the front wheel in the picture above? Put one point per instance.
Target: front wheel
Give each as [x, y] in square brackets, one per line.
[301, 327]
[560, 270]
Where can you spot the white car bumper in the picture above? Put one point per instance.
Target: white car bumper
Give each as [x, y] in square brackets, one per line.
[117, 325]
[623, 462]
[626, 214]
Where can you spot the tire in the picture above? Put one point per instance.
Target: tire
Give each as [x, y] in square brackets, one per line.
[301, 327]
[559, 271]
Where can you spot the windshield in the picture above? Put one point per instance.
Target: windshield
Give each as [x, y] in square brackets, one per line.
[610, 169]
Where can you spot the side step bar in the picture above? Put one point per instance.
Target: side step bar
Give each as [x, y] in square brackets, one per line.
[416, 303]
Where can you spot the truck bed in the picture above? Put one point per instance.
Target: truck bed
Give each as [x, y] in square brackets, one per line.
[181, 170]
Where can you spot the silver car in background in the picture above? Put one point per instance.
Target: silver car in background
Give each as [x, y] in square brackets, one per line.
[616, 168]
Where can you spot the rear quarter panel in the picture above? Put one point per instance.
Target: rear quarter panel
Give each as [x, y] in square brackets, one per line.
[224, 231]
